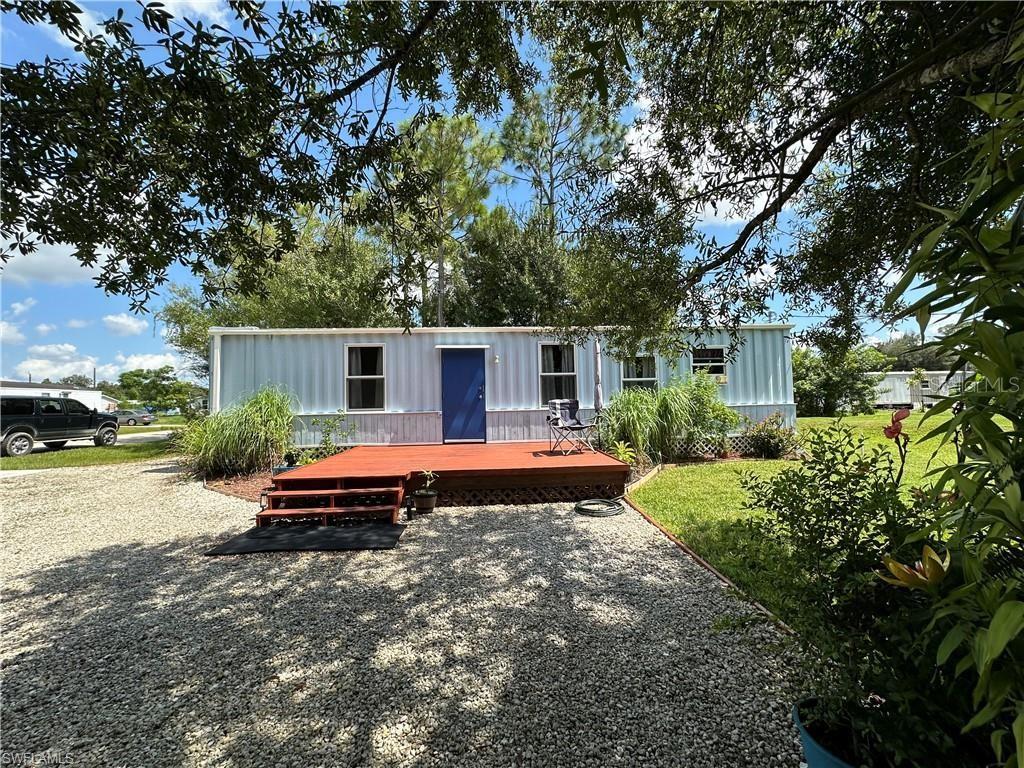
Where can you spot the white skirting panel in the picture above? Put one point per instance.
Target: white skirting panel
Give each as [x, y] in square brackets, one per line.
[377, 428]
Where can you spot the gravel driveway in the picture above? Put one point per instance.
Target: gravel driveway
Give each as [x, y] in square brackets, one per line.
[490, 637]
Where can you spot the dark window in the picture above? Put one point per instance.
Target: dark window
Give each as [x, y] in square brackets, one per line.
[366, 361]
[364, 378]
[365, 394]
[76, 407]
[557, 372]
[16, 406]
[640, 372]
[710, 359]
[50, 407]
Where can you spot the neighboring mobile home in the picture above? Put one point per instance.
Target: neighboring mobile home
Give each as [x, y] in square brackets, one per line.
[897, 390]
[433, 385]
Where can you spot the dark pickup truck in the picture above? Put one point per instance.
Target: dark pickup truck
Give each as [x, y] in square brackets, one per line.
[52, 421]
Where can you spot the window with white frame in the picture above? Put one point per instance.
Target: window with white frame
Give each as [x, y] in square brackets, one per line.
[557, 372]
[640, 371]
[711, 360]
[364, 377]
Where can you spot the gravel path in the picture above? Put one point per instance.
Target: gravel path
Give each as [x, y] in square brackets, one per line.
[490, 637]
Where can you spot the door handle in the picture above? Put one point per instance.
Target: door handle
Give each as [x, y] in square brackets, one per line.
[480, 393]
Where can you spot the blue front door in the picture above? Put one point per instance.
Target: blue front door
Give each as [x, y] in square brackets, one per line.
[463, 401]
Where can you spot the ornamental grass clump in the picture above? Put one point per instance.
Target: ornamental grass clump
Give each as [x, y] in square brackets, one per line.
[246, 438]
[649, 420]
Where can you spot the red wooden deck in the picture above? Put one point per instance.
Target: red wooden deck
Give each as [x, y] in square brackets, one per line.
[374, 479]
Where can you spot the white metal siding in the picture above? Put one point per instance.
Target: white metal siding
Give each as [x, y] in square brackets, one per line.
[311, 366]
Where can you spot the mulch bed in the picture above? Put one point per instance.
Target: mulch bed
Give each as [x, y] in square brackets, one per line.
[246, 487]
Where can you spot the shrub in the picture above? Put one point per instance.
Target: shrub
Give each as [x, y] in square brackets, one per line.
[332, 429]
[770, 438]
[249, 437]
[712, 419]
[870, 661]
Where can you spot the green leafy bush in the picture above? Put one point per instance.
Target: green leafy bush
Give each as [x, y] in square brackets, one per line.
[970, 262]
[770, 438]
[332, 430]
[840, 514]
[246, 438]
[833, 384]
[712, 419]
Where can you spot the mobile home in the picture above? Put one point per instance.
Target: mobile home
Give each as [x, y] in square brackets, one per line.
[434, 385]
[897, 391]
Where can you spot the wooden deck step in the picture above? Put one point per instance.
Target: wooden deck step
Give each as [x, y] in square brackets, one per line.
[331, 492]
[268, 515]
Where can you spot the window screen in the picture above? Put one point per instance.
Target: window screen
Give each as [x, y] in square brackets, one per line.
[364, 378]
[640, 371]
[709, 359]
[557, 372]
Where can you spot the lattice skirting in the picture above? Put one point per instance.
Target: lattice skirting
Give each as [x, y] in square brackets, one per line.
[478, 497]
[682, 448]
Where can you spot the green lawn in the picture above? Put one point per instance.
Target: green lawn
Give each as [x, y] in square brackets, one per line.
[703, 505]
[90, 456]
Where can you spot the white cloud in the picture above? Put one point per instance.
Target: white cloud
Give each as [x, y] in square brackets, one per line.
[124, 324]
[762, 275]
[92, 25]
[19, 308]
[54, 351]
[55, 361]
[149, 361]
[44, 328]
[73, 323]
[212, 10]
[52, 264]
[10, 333]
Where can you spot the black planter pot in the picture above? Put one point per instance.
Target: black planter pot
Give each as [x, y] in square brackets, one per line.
[816, 755]
[425, 500]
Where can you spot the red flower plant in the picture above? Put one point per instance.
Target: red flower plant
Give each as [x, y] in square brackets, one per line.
[895, 429]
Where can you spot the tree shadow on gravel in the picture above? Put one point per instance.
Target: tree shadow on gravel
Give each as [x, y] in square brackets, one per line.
[529, 637]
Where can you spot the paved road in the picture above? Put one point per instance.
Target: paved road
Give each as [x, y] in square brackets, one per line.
[137, 437]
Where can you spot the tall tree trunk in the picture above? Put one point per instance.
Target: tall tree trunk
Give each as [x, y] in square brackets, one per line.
[424, 291]
[440, 284]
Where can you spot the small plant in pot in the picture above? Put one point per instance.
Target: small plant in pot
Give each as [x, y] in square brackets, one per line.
[425, 498]
[289, 461]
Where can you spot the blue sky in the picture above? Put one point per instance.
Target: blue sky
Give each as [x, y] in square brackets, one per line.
[53, 320]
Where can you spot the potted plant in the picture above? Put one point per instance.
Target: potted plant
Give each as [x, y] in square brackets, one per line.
[289, 461]
[425, 498]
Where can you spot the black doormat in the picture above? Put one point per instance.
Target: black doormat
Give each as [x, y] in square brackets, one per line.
[312, 538]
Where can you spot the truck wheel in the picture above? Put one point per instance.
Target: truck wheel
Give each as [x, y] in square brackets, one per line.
[106, 437]
[53, 445]
[18, 444]
[131, 422]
